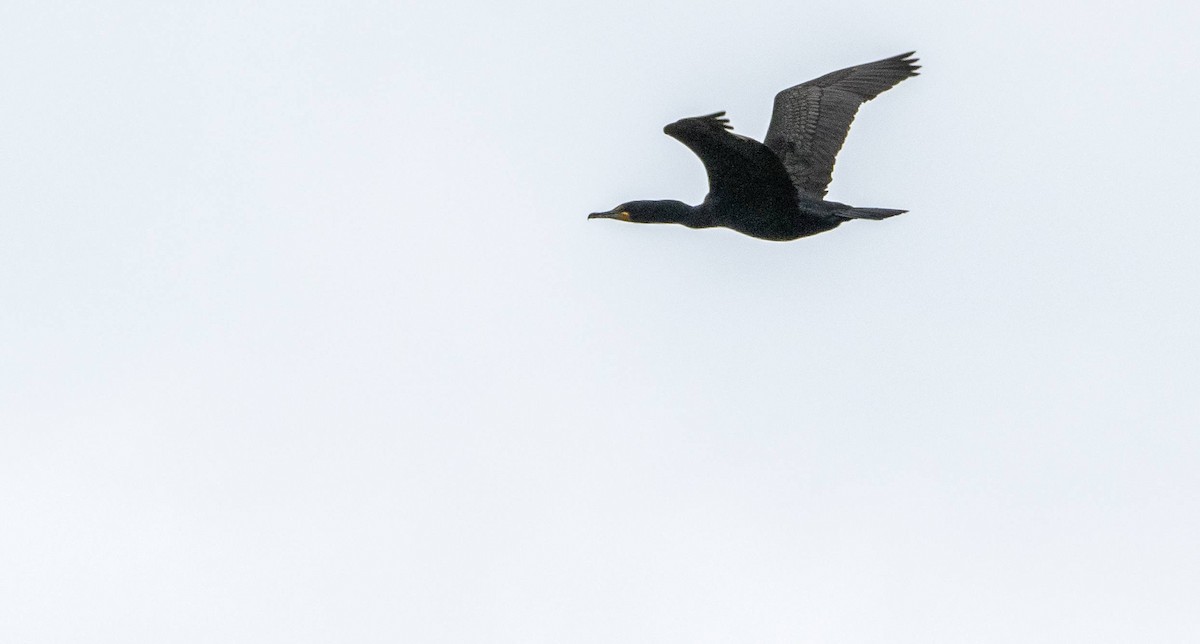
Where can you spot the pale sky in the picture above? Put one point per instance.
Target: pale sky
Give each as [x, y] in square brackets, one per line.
[307, 338]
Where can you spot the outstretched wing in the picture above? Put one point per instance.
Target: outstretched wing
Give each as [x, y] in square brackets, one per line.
[811, 120]
[735, 164]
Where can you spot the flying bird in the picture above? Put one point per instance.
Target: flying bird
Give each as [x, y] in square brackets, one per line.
[775, 189]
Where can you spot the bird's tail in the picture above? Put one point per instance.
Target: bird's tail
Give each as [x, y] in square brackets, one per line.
[868, 213]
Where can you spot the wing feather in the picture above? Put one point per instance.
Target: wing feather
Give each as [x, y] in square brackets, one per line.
[734, 163]
[810, 121]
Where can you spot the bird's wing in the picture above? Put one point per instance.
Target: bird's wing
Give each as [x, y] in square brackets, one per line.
[734, 163]
[811, 120]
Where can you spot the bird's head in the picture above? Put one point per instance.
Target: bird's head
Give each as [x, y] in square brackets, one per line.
[648, 212]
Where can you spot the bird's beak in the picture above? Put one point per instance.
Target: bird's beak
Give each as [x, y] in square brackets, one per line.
[612, 214]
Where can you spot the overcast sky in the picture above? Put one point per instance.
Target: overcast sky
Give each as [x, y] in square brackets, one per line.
[305, 336]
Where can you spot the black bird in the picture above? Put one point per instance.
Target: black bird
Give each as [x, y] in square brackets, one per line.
[775, 190]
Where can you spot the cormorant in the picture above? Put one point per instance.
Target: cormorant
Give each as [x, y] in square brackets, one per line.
[775, 190]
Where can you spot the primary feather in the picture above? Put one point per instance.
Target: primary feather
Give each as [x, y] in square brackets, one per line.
[810, 121]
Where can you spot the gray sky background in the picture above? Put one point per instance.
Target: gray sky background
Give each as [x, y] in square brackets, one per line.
[306, 338]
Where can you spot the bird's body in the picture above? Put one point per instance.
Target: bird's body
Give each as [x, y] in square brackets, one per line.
[774, 190]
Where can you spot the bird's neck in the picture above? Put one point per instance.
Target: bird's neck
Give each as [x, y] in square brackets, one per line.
[691, 216]
[669, 211]
[702, 216]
